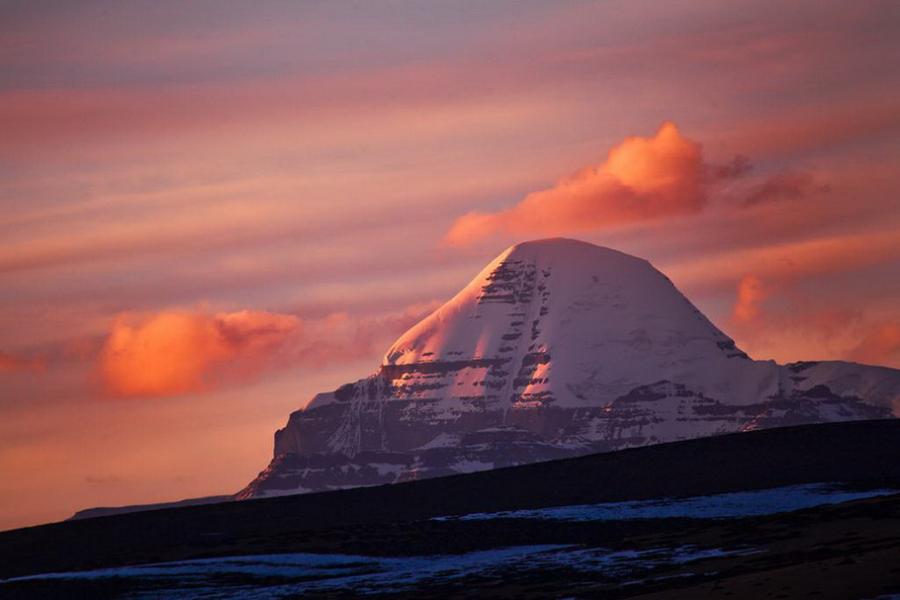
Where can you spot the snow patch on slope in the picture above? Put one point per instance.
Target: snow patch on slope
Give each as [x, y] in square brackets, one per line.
[287, 575]
[717, 506]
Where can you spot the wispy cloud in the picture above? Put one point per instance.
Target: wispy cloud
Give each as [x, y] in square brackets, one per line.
[788, 185]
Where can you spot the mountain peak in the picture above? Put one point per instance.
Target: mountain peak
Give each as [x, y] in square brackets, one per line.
[561, 249]
[560, 244]
[556, 348]
[585, 313]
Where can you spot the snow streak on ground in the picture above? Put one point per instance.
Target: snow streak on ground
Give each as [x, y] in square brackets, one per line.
[280, 575]
[718, 506]
[283, 575]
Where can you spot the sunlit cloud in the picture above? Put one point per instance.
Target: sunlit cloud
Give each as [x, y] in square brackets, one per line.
[641, 179]
[175, 352]
[750, 293]
[778, 322]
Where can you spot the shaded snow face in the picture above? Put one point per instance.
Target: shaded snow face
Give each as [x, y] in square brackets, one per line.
[286, 575]
[718, 506]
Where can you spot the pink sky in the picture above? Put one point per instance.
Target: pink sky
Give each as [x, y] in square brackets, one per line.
[255, 198]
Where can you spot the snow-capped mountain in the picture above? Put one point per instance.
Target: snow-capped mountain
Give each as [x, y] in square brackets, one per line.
[557, 348]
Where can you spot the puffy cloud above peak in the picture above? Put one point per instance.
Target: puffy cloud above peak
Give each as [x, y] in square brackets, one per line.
[662, 164]
[642, 178]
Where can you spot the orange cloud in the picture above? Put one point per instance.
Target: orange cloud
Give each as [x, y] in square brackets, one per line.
[750, 293]
[641, 179]
[794, 327]
[176, 352]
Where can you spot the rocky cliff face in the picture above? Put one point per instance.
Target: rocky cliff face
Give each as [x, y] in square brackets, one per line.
[557, 348]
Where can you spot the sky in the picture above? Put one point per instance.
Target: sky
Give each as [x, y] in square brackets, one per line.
[211, 211]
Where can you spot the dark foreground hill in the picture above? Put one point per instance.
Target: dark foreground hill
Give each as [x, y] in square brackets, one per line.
[779, 555]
